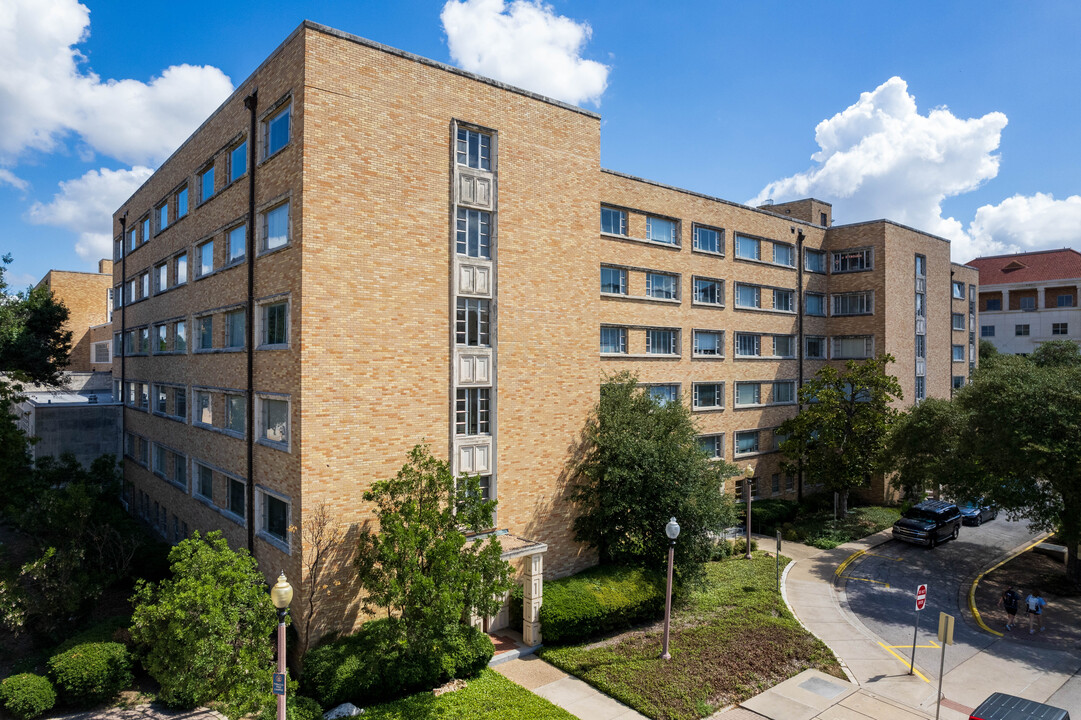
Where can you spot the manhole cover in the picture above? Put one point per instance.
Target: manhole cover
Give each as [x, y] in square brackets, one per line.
[821, 687]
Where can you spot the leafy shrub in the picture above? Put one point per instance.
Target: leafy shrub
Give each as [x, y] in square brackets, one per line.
[297, 707]
[109, 630]
[91, 673]
[769, 514]
[375, 664]
[27, 695]
[598, 600]
[739, 547]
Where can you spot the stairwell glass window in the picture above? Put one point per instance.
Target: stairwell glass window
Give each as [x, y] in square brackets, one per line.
[748, 248]
[748, 296]
[662, 342]
[921, 346]
[206, 258]
[707, 239]
[613, 222]
[613, 340]
[238, 161]
[182, 202]
[708, 291]
[274, 421]
[613, 281]
[237, 242]
[814, 347]
[234, 329]
[921, 306]
[857, 347]
[276, 227]
[708, 343]
[856, 303]
[748, 393]
[661, 230]
[474, 149]
[471, 411]
[987, 330]
[276, 131]
[472, 322]
[712, 445]
[814, 304]
[746, 442]
[958, 321]
[784, 300]
[709, 396]
[784, 254]
[958, 290]
[274, 318]
[206, 184]
[814, 261]
[1059, 328]
[856, 260]
[662, 286]
[473, 233]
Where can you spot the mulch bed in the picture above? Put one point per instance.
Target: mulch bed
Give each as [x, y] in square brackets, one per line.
[1029, 570]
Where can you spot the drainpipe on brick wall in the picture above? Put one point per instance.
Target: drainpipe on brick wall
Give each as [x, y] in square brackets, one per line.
[251, 103]
[123, 352]
[799, 348]
[950, 296]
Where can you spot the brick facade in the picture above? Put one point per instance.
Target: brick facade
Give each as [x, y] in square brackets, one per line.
[86, 296]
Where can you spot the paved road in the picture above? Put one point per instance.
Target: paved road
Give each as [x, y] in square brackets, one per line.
[881, 589]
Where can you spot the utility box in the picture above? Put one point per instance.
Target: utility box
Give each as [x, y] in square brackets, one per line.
[1001, 706]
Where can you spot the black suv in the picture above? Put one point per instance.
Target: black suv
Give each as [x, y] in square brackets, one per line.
[928, 522]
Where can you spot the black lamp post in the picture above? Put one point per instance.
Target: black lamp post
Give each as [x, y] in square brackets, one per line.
[672, 531]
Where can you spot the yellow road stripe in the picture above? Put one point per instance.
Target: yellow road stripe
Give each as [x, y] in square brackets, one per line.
[841, 568]
[932, 646]
[972, 590]
[887, 557]
[853, 577]
[904, 660]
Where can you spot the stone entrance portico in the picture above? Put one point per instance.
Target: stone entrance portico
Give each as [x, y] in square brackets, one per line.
[532, 553]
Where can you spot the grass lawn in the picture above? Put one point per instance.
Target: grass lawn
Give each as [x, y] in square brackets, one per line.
[731, 639]
[819, 529]
[487, 697]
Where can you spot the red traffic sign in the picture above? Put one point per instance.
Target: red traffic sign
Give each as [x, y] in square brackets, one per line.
[921, 597]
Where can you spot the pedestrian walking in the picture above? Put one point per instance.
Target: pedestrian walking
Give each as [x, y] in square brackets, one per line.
[1035, 605]
[1010, 601]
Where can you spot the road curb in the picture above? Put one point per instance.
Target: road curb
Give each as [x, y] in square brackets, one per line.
[784, 596]
[880, 538]
[1019, 550]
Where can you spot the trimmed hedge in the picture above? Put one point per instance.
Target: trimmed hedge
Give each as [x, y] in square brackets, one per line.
[373, 665]
[109, 630]
[769, 514]
[91, 673]
[297, 707]
[598, 600]
[27, 695]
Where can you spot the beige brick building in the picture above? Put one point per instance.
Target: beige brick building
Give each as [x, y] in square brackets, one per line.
[89, 300]
[362, 249]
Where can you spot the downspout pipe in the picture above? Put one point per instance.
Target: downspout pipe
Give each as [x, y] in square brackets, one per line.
[799, 347]
[251, 102]
[123, 350]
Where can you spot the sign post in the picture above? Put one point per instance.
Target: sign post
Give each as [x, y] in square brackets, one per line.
[921, 603]
[945, 636]
[778, 561]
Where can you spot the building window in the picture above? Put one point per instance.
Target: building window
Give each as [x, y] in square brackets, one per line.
[161, 398]
[161, 338]
[1064, 301]
[275, 323]
[274, 421]
[144, 285]
[958, 321]
[707, 239]
[958, 290]
[613, 222]
[613, 281]
[814, 261]
[921, 306]
[274, 517]
[958, 382]
[1020, 330]
[660, 230]
[145, 229]
[784, 346]
[958, 353]
[712, 446]
[234, 329]
[857, 303]
[815, 347]
[746, 442]
[180, 471]
[784, 300]
[236, 413]
[709, 396]
[206, 184]
[994, 304]
[161, 277]
[662, 342]
[180, 403]
[182, 202]
[814, 304]
[748, 393]
[784, 254]
[613, 340]
[144, 340]
[472, 323]
[160, 457]
[921, 266]
[708, 291]
[162, 213]
[921, 346]
[204, 482]
[276, 131]
[474, 149]
[471, 411]
[181, 268]
[1027, 303]
[748, 296]
[748, 345]
[708, 343]
[662, 286]
[1059, 328]
[206, 333]
[276, 227]
[856, 347]
[784, 392]
[473, 233]
[987, 330]
[238, 161]
[237, 243]
[204, 408]
[775, 484]
[853, 260]
[180, 336]
[102, 352]
[921, 388]
[748, 248]
[206, 258]
[237, 498]
[133, 238]
[664, 394]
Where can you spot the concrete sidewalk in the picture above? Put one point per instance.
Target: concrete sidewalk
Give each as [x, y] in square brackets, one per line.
[576, 697]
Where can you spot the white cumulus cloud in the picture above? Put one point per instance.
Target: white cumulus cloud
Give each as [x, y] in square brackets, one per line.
[46, 93]
[1023, 224]
[524, 44]
[85, 206]
[9, 178]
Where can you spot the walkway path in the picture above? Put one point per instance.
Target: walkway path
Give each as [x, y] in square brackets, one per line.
[570, 693]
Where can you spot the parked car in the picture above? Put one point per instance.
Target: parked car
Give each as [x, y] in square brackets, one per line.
[928, 523]
[974, 512]
[1001, 706]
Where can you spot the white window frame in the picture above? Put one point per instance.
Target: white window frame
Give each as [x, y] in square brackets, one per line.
[853, 303]
[199, 254]
[757, 344]
[694, 396]
[747, 453]
[650, 289]
[622, 281]
[757, 296]
[673, 345]
[695, 279]
[261, 400]
[742, 384]
[674, 225]
[695, 352]
[285, 107]
[956, 317]
[958, 350]
[736, 246]
[820, 296]
[228, 414]
[869, 342]
[841, 261]
[264, 226]
[708, 228]
[261, 324]
[957, 290]
[622, 340]
[717, 440]
[621, 214]
[196, 414]
[806, 344]
[809, 252]
[792, 340]
[791, 295]
[791, 249]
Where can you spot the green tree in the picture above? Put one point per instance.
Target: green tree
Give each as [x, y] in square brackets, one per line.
[842, 427]
[420, 567]
[1057, 353]
[640, 464]
[923, 446]
[988, 354]
[206, 630]
[34, 347]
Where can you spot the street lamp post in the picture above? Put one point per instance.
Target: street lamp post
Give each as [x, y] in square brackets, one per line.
[672, 531]
[281, 595]
[748, 475]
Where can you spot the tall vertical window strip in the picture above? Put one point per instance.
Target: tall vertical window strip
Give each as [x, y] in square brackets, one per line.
[472, 323]
[613, 221]
[613, 340]
[276, 227]
[748, 248]
[661, 342]
[707, 239]
[474, 149]
[206, 184]
[238, 161]
[275, 324]
[238, 240]
[661, 231]
[182, 202]
[276, 131]
[613, 280]
[474, 233]
[471, 411]
[921, 266]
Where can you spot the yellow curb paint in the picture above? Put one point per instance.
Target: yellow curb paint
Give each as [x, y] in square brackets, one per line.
[848, 561]
[853, 577]
[972, 590]
[932, 646]
[906, 661]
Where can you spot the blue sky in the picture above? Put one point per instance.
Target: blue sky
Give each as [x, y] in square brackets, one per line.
[959, 118]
